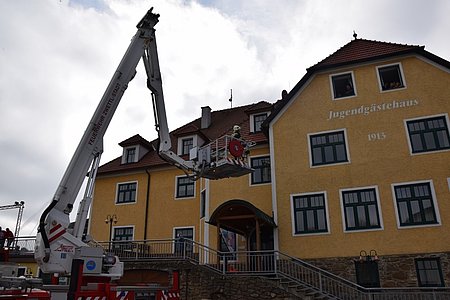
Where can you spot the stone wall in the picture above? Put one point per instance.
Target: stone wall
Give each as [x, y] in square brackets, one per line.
[197, 282]
[394, 270]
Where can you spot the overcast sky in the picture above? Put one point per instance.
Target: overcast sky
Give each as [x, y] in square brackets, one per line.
[57, 57]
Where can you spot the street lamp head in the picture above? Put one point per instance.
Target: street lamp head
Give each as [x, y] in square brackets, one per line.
[111, 219]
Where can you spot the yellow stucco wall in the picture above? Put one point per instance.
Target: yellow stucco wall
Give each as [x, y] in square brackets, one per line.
[128, 214]
[377, 162]
[31, 268]
[165, 211]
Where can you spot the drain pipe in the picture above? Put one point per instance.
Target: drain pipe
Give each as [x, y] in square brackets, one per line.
[147, 200]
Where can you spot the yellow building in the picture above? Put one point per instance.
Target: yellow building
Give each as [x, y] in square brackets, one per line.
[353, 161]
[360, 161]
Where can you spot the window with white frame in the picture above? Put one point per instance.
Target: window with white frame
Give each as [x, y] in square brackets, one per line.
[258, 119]
[126, 192]
[328, 148]
[391, 77]
[130, 155]
[185, 187]
[185, 232]
[183, 236]
[428, 134]
[343, 85]
[261, 165]
[123, 233]
[121, 237]
[416, 204]
[361, 209]
[310, 214]
[186, 145]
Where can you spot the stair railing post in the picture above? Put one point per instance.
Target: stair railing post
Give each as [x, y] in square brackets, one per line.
[320, 282]
[224, 264]
[275, 260]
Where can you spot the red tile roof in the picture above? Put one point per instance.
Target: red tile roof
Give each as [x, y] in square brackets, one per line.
[360, 50]
[222, 123]
[257, 107]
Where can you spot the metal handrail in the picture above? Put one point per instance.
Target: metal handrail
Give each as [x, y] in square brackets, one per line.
[268, 262]
[319, 279]
[22, 245]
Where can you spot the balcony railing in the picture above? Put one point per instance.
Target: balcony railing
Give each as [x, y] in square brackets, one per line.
[22, 245]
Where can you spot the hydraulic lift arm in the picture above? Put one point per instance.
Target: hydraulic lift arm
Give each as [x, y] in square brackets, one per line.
[57, 246]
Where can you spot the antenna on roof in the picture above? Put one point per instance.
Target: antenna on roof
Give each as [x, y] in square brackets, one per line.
[355, 35]
[231, 98]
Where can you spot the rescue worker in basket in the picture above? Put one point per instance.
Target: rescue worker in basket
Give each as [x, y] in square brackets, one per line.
[236, 132]
[237, 148]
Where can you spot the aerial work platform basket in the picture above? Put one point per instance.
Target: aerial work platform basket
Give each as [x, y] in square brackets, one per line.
[225, 157]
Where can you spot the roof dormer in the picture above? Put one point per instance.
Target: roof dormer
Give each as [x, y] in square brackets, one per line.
[134, 149]
[258, 113]
[187, 142]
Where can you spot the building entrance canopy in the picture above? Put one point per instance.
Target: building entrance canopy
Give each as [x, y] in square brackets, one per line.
[241, 217]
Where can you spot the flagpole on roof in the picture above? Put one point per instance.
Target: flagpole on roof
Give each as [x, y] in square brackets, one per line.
[231, 98]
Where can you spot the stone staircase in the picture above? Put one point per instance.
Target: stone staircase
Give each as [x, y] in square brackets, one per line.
[300, 290]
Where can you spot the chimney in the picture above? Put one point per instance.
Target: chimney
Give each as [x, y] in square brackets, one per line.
[206, 117]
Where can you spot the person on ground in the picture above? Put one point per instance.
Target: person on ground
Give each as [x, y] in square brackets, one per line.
[9, 237]
[2, 238]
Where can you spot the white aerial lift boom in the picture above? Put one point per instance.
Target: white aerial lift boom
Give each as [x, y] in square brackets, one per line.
[56, 246]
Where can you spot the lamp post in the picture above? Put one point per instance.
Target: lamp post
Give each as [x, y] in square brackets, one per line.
[110, 219]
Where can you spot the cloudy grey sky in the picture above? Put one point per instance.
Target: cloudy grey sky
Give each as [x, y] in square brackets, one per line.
[57, 57]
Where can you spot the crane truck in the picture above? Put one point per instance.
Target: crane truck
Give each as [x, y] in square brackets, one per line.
[56, 245]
